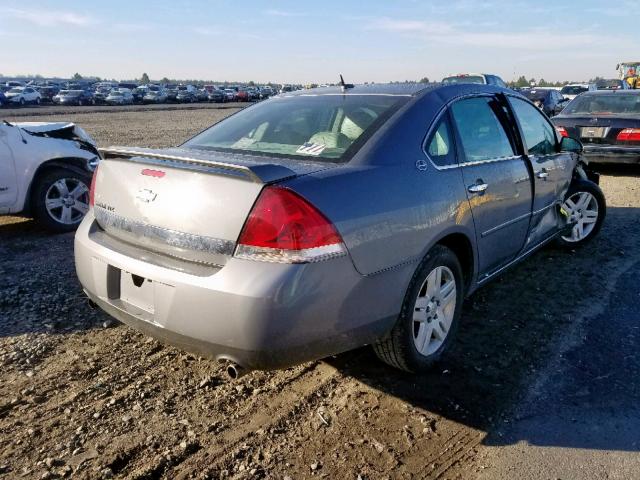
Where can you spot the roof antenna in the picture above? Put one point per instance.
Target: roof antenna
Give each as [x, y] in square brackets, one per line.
[344, 86]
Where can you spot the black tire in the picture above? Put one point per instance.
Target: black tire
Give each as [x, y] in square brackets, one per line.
[22, 102]
[37, 101]
[38, 197]
[398, 347]
[576, 188]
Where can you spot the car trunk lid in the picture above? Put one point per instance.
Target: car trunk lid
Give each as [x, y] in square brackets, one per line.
[598, 129]
[185, 203]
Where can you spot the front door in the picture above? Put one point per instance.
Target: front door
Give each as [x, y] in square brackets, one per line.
[497, 181]
[8, 188]
[552, 170]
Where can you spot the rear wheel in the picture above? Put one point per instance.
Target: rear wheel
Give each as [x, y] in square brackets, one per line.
[61, 199]
[585, 208]
[430, 314]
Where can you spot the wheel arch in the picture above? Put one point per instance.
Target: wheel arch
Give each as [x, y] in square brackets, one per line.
[74, 164]
[462, 246]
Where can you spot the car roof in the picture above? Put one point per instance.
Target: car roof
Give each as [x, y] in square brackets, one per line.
[613, 92]
[366, 89]
[444, 91]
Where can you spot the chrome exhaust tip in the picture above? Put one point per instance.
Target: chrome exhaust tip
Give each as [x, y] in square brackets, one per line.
[235, 371]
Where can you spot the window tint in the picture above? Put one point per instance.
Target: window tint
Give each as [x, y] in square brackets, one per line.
[440, 145]
[481, 133]
[324, 127]
[539, 135]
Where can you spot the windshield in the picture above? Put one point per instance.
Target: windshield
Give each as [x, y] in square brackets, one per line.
[464, 79]
[116, 94]
[327, 127]
[535, 94]
[569, 90]
[609, 84]
[16, 90]
[619, 103]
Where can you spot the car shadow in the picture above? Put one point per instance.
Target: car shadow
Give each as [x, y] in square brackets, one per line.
[509, 332]
[617, 170]
[39, 291]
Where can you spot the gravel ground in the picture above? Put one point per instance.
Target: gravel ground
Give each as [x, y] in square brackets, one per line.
[85, 397]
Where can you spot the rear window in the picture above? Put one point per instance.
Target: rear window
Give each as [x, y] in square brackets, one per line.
[536, 94]
[619, 103]
[573, 90]
[464, 79]
[609, 84]
[326, 127]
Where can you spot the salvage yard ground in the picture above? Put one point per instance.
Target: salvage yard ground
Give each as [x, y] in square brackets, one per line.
[85, 397]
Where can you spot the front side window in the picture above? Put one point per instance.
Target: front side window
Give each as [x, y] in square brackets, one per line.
[325, 127]
[538, 135]
[481, 133]
[440, 145]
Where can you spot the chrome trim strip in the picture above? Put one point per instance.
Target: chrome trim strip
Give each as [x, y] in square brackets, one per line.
[505, 224]
[519, 258]
[278, 255]
[537, 212]
[245, 171]
[165, 236]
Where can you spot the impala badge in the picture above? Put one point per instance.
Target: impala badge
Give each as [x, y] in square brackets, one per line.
[146, 195]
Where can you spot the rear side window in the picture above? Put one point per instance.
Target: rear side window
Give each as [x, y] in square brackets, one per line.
[539, 135]
[440, 144]
[481, 133]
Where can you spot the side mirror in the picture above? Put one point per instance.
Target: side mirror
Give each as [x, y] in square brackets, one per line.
[568, 144]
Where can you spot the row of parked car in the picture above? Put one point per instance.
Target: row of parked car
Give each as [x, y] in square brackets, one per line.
[121, 93]
[551, 100]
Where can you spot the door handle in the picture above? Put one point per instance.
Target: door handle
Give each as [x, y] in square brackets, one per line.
[542, 174]
[477, 187]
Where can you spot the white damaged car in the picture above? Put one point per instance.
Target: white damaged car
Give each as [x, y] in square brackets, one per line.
[45, 172]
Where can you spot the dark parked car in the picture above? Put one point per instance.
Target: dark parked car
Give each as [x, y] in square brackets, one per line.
[549, 101]
[138, 94]
[217, 96]
[332, 221]
[3, 99]
[47, 92]
[172, 93]
[74, 97]
[100, 95]
[612, 84]
[155, 94]
[186, 96]
[607, 122]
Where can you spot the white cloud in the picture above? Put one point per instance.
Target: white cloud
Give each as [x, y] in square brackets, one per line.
[46, 18]
[207, 31]
[461, 34]
[284, 13]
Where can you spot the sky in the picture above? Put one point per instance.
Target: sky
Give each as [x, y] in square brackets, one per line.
[303, 42]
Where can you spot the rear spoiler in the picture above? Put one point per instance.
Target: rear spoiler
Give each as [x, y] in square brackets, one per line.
[263, 173]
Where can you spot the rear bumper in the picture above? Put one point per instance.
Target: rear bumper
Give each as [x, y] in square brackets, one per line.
[612, 154]
[259, 315]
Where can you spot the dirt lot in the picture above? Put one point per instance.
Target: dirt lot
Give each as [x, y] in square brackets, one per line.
[85, 397]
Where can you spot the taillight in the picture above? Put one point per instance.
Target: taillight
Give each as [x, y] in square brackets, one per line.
[92, 189]
[629, 135]
[283, 227]
[562, 131]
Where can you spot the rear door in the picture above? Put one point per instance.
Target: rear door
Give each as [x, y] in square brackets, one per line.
[497, 180]
[552, 170]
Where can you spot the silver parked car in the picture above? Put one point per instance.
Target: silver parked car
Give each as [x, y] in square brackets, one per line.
[320, 221]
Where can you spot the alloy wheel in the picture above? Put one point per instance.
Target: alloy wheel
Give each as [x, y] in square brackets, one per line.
[67, 200]
[434, 309]
[582, 211]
